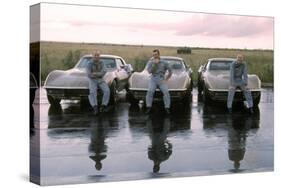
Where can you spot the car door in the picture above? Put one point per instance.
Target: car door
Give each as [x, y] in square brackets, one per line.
[122, 74]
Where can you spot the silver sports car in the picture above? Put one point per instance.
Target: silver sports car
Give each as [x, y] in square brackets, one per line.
[214, 81]
[73, 83]
[180, 84]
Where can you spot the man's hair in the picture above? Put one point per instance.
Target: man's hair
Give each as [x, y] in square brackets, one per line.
[157, 50]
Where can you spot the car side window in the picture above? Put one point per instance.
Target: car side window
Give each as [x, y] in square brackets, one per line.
[119, 63]
[186, 66]
[205, 66]
[123, 62]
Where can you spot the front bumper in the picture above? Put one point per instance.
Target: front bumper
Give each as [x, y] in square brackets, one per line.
[175, 94]
[68, 93]
[221, 95]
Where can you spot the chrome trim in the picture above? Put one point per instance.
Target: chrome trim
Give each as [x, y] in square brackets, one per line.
[59, 87]
[145, 89]
[226, 90]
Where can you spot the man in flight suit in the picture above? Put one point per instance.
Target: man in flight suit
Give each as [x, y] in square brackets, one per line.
[158, 67]
[95, 72]
[239, 79]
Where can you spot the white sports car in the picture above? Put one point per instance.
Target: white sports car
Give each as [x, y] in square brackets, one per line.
[214, 81]
[73, 83]
[179, 85]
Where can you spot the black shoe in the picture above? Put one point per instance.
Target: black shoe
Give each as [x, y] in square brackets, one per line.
[103, 109]
[96, 110]
[167, 110]
[148, 110]
[251, 111]
[229, 110]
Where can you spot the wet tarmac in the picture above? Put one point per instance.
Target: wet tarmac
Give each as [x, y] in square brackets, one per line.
[73, 146]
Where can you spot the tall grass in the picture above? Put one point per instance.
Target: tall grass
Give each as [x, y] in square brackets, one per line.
[64, 56]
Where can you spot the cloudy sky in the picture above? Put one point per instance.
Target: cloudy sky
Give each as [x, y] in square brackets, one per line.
[134, 26]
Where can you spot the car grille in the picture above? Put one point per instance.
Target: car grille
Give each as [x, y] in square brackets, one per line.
[68, 92]
[237, 96]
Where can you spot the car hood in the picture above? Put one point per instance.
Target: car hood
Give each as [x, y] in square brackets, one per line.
[179, 80]
[221, 80]
[73, 78]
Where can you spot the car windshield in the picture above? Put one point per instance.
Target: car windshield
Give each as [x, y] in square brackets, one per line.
[109, 62]
[220, 65]
[174, 64]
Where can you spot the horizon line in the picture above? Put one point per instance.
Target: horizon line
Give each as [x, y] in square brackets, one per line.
[167, 46]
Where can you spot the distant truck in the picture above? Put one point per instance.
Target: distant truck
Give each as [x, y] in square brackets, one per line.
[184, 50]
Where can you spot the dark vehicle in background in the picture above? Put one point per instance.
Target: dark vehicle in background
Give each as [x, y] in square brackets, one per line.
[184, 50]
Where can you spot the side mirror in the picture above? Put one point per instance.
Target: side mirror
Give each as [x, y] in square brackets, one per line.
[129, 68]
[204, 68]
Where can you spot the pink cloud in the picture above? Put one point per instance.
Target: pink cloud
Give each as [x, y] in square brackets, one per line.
[228, 26]
[198, 24]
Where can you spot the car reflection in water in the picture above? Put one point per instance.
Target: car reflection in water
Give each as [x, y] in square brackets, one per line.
[33, 87]
[97, 126]
[72, 145]
[238, 125]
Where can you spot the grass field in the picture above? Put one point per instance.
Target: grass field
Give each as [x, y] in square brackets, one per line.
[62, 56]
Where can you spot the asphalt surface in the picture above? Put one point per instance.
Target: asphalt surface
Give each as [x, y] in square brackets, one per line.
[73, 146]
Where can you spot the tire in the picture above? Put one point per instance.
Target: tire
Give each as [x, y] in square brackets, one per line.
[200, 88]
[187, 98]
[31, 96]
[85, 104]
[206, 97]
[257, 100]
[55, 110]
[131, 99]
[53, 101]
[191, 85]
[113, 93]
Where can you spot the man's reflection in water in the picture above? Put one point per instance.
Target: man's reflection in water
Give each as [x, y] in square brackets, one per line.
[98, 147]
[160, 149]
[239, 126]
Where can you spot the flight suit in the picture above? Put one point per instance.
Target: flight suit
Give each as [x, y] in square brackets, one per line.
[97, 69]
[239, 78]
[157, 80]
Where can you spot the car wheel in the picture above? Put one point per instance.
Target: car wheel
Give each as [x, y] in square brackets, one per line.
[191, 86]
[200, 88]
[131, 99]
[84, 103]
[32, 96]
[206, 96]
[55, 110]
[187, 98]
[256, 101]
[113, 93]
[53, 101]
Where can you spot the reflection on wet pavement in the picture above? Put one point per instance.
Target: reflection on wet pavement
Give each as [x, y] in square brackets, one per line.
[77, 147]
